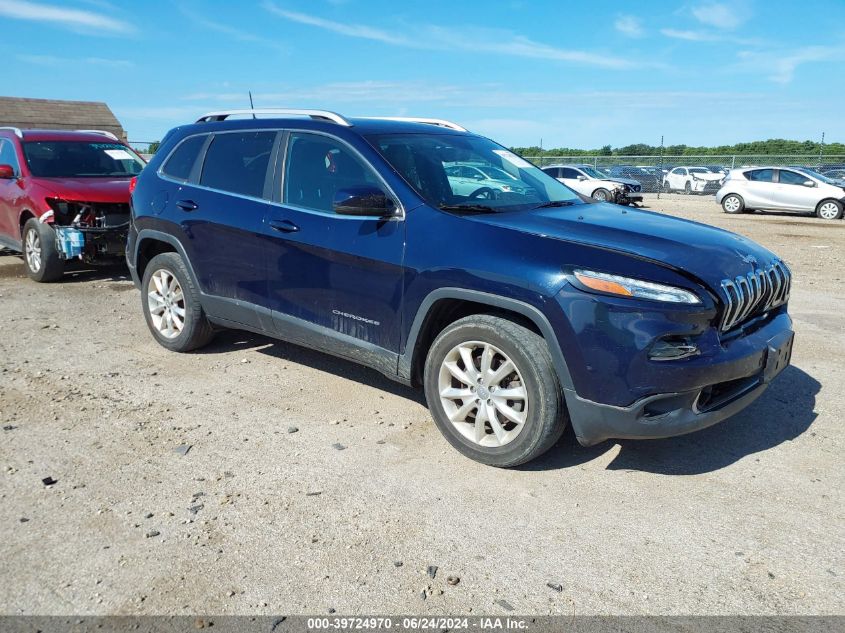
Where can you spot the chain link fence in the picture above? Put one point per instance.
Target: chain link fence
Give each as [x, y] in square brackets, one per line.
[652, 172]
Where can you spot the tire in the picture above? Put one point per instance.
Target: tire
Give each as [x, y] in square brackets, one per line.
[533, 380]
[829, 210]
[484, 193]
[732, 203]
[687, 188]
[177, 301]
[40, 256]
[602, 195]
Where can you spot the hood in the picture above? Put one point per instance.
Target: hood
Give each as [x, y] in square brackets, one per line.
[111, 190]
[708, 253]
[709, 176]
[626, 181]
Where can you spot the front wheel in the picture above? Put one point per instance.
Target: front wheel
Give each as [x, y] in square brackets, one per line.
[688, 188]
[493, 391]
[829, 210]
[171, 305]
[602, 195]
[732, 203]
[40, 256]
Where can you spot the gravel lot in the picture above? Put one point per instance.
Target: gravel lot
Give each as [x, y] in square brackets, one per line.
[266, 514]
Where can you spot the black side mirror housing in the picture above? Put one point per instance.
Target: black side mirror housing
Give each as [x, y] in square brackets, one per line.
[365, 201]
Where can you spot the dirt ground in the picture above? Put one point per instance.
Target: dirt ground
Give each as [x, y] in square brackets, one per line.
[311, 484]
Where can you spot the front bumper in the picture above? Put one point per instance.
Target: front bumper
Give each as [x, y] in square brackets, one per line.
[677, 413]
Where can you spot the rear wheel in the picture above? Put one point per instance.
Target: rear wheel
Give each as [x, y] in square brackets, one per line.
[732, 203]
[602, 195]
[40, 256]
[493, 391]
[171, 305]
[829, 210]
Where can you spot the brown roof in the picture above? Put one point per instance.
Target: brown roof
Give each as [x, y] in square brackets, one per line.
[52, 114]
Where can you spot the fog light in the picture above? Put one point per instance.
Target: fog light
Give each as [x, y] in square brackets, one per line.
[673, 348]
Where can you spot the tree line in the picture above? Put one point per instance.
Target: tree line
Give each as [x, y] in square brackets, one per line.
[772, 146]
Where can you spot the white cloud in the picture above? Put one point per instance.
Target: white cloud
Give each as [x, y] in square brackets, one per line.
[432, 37]
[62, 16]
[629, 25]
[55, 62]
[780, 66]
[233, 32]
[721, 15]
[351, 30]
[690, 36]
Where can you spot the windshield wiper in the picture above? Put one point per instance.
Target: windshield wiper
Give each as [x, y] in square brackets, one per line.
[556, 203]
[483, 208]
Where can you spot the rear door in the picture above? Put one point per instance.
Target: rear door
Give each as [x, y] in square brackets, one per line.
[759, 191]
[792, 193]
[220, 213]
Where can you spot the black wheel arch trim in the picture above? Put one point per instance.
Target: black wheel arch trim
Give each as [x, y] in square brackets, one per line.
[532, 313]
[158, 236]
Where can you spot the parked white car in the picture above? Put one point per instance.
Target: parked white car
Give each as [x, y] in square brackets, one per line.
[782, 189]
[692, 180]
[590, 182]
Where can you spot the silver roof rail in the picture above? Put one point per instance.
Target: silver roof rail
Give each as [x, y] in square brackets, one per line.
[314, 114]
[103, 132]
[16, 130]
[412, 119]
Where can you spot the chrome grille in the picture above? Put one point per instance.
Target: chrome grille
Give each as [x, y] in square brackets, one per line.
[757, 292]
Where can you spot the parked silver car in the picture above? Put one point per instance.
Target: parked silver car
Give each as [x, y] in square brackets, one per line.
[782, 189]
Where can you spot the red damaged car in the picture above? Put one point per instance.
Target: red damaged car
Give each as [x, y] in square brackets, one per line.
[64, 196]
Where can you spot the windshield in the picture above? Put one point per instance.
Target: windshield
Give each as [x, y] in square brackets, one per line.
[425, 162]
[699, 170]
[593, 173]
[810, 172]
[79, 159]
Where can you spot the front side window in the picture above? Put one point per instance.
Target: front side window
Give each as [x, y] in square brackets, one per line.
[317, 167]
[792, 178]
[568, 172]
[181, 162]
[7, 155]
[237, 162]
[422, 160]
[81, 159]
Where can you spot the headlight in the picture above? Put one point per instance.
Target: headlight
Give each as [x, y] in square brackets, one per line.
[627, 287]
[507, 188]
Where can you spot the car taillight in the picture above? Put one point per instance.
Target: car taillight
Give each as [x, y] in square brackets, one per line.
[132, 183]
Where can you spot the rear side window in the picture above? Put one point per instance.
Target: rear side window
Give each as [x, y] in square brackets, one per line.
[237, 162]
[182, 160]
[760, 175]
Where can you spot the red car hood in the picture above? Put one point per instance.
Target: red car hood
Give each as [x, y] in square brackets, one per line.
[87, 189]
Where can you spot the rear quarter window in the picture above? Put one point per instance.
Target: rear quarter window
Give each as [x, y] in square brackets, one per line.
[180, 163]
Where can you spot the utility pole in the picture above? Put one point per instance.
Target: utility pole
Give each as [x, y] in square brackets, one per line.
[660, 169]
[821, 151]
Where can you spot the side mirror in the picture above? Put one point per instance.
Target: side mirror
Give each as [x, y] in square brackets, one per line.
[582, 178]
[363, 201]
[807, 183]
[7, 172]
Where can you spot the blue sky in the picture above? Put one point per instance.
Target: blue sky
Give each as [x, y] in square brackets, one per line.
[579, 74]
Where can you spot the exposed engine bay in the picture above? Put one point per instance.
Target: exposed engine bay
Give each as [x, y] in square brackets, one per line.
[90, 231]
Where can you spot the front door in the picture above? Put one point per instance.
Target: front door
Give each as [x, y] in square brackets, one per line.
[793, 193]
[10, 192]
[333, 280]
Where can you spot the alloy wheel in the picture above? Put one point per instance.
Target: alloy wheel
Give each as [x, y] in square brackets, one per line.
[828, 211]
[32, 250]
[166, 303]
[732, 204]
[483, 394]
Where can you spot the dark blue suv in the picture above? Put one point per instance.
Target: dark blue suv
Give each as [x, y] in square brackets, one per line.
[517, 307]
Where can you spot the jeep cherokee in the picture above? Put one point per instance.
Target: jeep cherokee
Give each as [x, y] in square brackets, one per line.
[517, 313]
